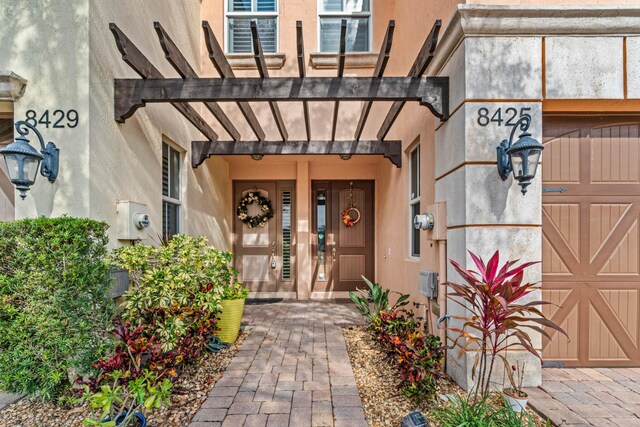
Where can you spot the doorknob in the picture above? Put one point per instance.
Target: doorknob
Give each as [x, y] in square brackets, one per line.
[333, 252]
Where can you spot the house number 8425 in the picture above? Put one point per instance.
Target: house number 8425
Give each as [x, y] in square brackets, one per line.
[57, 119]
[509, 118]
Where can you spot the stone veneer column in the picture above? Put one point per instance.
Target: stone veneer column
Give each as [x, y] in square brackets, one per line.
[493, 81]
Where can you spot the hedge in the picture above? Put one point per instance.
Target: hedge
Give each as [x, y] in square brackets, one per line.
[55, 312]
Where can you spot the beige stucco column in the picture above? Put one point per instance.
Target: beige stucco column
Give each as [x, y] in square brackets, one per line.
[505, 61]
[303, 242]
[494, 80]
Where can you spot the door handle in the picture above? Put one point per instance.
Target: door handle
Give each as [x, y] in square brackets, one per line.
[273, 255]
[333, 252]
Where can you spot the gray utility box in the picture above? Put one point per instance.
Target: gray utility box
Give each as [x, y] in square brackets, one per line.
[429, 283]
[119, 283]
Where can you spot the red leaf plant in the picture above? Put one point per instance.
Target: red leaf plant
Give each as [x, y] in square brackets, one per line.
[132, 355]
[498, 319]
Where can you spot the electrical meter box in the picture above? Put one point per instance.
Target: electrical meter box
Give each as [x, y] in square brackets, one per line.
[429, 283]
[132, 220]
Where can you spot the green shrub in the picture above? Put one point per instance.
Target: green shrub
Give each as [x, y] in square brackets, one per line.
[416, 353]
[55, 313]
[235, 291]
[471, 412]
[370, 302]
[176, 291]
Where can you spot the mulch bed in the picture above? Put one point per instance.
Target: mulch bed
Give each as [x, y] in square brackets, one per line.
[188, 393]
[377, 381]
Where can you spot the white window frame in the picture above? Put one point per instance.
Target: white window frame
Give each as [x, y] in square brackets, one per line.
[170, 199]
[413, 198]
[322, 14]
[228, 14]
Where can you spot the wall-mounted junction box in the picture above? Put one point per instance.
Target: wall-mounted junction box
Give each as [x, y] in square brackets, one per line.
[132, 220]
[429, 283]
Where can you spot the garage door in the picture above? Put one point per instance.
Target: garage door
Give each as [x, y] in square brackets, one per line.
[590, 259]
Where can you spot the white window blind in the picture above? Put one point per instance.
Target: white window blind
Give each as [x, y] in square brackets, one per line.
[414, 199]
[358, 15]
[239, 15]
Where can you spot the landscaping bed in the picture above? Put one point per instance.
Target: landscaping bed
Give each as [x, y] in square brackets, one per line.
[189, 391]
[383, 401]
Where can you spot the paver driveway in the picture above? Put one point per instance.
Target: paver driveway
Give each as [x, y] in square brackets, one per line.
[589, 396]
[292, 370]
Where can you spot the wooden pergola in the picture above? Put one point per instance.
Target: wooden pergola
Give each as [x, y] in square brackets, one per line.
[153, 87]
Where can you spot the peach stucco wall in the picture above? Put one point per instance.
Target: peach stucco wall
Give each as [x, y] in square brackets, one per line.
[414, 19]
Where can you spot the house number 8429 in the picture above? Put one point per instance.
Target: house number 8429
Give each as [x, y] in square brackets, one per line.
[57, 119]
[508, 118]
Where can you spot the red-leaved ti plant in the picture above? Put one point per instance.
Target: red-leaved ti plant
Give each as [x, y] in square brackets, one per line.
[498, 320]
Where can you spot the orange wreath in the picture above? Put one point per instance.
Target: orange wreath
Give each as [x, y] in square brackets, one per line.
[348, 219]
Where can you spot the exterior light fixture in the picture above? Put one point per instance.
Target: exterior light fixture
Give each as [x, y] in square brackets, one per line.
[521, 158]
[345, 156]
[257, 157]
[23, 161]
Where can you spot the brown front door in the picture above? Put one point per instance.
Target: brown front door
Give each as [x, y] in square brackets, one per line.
[591, 246]
[265, 256]
[342, 255]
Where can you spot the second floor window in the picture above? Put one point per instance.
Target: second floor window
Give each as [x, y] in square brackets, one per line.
[240, 13]
[358, 15]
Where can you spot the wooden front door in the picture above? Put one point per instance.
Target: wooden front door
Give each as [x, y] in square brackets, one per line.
[265, 256]
[341, 254]
[591, 246]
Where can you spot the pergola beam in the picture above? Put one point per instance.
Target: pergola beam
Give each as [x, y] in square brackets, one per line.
[131, 94]
[303, 74]
[341, 60]
[264, 74]
[201, 150]
[420, 65]
[182, 66]
[381, 65]
[220, 62]
[141, 65]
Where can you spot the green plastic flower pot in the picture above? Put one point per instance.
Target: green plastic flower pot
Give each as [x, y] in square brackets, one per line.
[229, 319]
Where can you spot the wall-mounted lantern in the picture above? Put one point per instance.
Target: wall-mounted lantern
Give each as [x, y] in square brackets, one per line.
[521, 158]
[23, 161]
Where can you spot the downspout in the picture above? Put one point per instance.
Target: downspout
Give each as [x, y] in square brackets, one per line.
[442, 294]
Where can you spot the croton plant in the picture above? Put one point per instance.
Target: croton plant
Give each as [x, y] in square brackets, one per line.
[499, 319]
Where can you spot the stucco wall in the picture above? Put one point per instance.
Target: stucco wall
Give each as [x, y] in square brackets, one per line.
[67, 53]
[396, 269]
[49, 46]
[126, 159]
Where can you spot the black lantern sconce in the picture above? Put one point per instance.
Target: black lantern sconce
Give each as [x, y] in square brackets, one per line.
[23, 161]
[521, 158]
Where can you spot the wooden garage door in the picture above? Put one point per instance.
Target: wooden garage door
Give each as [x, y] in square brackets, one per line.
[591, 266]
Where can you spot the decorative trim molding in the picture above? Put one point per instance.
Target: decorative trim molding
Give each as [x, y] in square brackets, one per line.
[246, 61]
[535, 21]
[12, 86]
[329, 61]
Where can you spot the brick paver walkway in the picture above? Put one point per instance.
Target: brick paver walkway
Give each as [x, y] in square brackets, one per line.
[292, 370]
[589, 396]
